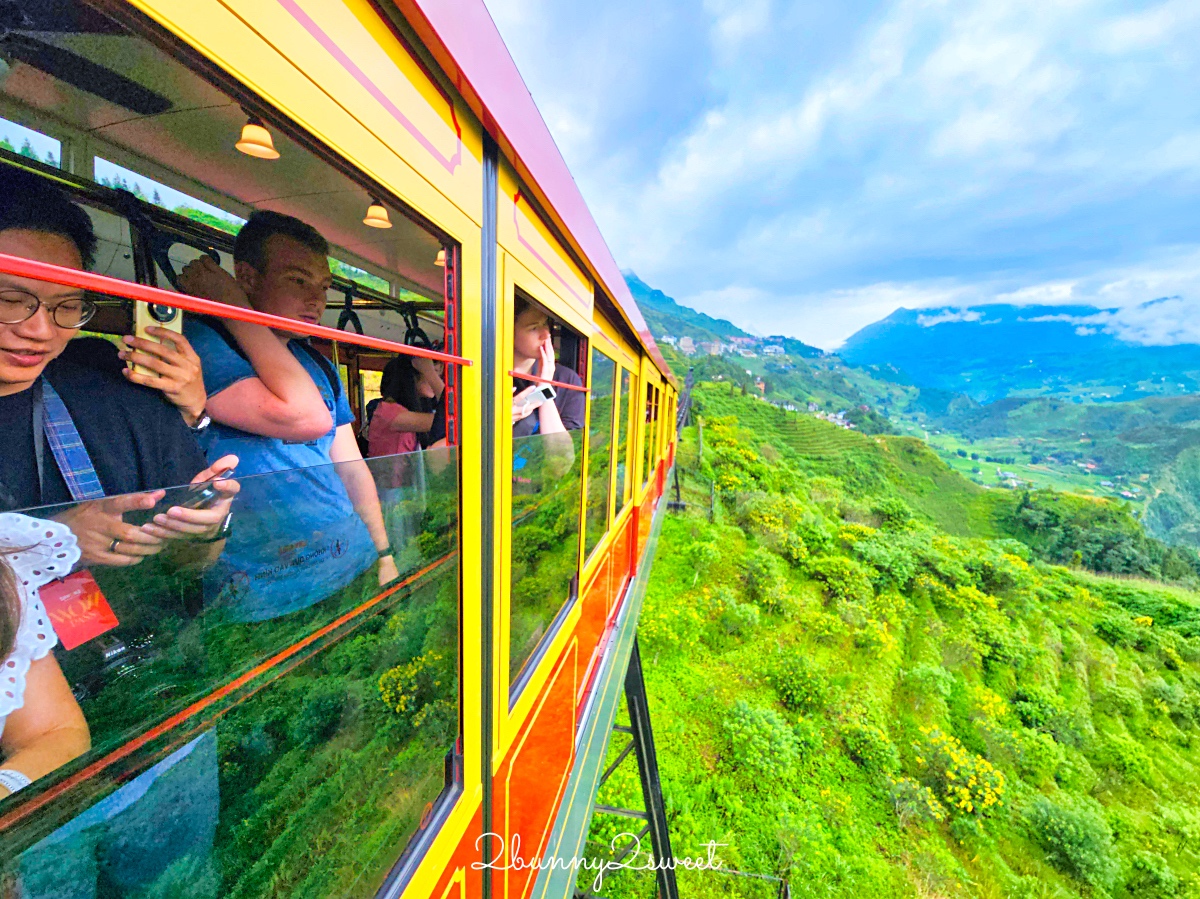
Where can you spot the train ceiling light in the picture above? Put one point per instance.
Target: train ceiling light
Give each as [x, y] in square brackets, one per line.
[377, 215]
[256, 140]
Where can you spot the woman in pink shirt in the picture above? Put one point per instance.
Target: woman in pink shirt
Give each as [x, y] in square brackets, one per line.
[396, 423]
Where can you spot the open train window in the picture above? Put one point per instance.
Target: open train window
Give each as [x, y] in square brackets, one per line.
[249, 694]
[549, 404]
[625, 408]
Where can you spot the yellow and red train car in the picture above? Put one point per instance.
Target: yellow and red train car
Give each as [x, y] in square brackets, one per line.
[384, 740]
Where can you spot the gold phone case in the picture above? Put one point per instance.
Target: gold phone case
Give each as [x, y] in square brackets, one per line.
[151, 315]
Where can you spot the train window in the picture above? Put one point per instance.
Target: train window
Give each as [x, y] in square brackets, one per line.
[547, 499]
[31, 144]
[109, 174]
[599, 451]
[286, 677]
[624, 407]
[238, 712]
[650, 434]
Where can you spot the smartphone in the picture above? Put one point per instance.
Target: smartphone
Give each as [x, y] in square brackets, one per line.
[196, 496]
[155, 315]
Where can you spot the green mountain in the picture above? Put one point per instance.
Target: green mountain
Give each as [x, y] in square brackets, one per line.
[665, 316]
[997, 351]
[872, 678]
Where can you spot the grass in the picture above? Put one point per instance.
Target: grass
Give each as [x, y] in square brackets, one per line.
[935, 631]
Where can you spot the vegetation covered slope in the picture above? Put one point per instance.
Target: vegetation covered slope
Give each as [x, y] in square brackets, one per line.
[860, 690]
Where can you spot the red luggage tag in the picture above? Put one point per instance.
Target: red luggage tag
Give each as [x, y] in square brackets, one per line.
[77, 609]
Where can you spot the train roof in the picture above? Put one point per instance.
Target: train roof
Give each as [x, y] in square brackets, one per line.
[466, 43]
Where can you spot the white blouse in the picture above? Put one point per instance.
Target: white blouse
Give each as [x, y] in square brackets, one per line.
[49, 551]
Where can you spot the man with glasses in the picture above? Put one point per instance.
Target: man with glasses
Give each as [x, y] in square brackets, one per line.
[124, 443]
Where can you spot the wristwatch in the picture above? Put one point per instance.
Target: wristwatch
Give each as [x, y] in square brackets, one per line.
[201, 423]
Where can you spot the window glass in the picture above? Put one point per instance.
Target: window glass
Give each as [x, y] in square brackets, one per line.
[547, 485]
[246, 709]
[115, 176]
[29, 143]
[359, 276]
[625, 405]
[599, 450]
[650, 434]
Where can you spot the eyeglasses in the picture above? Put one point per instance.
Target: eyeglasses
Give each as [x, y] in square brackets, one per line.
[17, 306]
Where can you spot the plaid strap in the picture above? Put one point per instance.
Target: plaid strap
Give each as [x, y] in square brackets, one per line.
[72, 457]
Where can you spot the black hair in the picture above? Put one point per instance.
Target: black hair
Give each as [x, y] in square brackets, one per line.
[399, 383]
[30, 202]
[250, 246]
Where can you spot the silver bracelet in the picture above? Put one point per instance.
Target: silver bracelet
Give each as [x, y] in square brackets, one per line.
[13, 780]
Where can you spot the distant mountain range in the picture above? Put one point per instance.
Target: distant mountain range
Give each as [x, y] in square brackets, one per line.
[665, 316]
[998, 351]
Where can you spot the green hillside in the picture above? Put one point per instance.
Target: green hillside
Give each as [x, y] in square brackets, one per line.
[861, 683]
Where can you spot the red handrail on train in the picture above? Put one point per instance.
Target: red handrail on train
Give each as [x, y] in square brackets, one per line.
[523, 376]
[71, 277]
[23, 811]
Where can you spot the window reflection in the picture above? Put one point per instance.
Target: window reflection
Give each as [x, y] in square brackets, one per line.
[294, 756]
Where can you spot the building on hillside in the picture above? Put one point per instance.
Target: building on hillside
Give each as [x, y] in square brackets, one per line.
[772, 350]
[813, 407]
[668, 340]
[711, 348]
[687, 346]
[743, 341]
[747, 353]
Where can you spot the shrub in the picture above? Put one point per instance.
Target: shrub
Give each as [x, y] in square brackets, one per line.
[1037, 708]
[320, 715]
[799, 683]
[765, 579]
[761, 739]
[1120, 701]
[915, 802]
[870, 747]
[1125, 756]
[926, 680]
[893, 512]
[1076, 838]
[739, 618]
[967, 783]
[844, 579]
[1151, 876]
[406, 688]
[1116, 629]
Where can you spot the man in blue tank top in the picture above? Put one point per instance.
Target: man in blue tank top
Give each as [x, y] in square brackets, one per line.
[311, 523]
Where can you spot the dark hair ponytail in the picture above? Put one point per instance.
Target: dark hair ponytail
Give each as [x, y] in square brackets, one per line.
[10, 608]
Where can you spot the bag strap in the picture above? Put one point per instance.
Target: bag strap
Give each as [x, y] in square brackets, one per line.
[51, 417]
[335, 383]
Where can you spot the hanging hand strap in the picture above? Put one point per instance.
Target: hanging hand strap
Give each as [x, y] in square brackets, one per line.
[50, 416]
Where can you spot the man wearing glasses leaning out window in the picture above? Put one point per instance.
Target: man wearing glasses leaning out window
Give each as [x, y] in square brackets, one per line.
[131, 439]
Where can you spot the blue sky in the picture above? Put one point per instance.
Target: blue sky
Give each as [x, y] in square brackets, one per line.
[810, 167]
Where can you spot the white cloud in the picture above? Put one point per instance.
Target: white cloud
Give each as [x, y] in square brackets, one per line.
[949, 315]
[936, 154]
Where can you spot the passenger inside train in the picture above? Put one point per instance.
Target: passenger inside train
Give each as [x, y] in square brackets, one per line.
[279, 405]
[41, 724]
[409, 386]
[540, 408]
[77, 433]
[158, 609]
